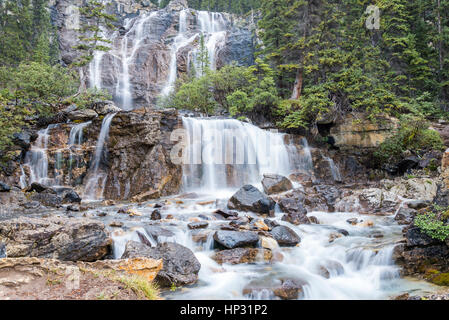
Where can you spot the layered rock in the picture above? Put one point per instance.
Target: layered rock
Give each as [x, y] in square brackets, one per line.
[57, 238]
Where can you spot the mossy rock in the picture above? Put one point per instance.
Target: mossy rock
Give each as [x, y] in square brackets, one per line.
[438, 278]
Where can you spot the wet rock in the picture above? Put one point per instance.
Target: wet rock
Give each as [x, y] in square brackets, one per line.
[353, 221]
[249, 198]
[200, 235]
[116, 224]
[331, 268]
[2, 250]
[30, 205]
[48, 199]
[73, 208]
[418, 204]
[289, 290]
[24, 139]
[235, 239]
[59, 238]
[198, 225]
[4, 187]
[156, 215]
[293, 207]
[103, 108]
[180, 266]
[268, 243]
[407, 164]
[274, 183]
[37, 187]
[343, 232]
[68, 195]
[158, 234]
[226, 213]
[314, 220]
[242, 255]
[334, 236]
[405, 216]
[285, 236]
[304, 179]
[415, 237]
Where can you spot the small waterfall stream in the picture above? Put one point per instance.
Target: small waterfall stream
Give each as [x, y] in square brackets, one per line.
[96, 179]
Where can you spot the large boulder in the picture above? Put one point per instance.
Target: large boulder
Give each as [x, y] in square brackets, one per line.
[243, 255]
[236, 239]
[250, 199]
[285, 236]
[57, 238]
[82, 115]
[180, 266]
[274, 183]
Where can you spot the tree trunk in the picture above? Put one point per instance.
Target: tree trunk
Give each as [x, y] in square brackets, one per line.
[297, 89]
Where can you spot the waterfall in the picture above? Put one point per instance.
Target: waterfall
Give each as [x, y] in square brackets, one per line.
[213, 27]
[37, 158]
[97, 177]
[227, 153]
[334, 169]
[180, 41]
[76, 139]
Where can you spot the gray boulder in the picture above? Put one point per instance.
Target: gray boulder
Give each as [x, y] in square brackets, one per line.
[4, 187]
[274, 183]
[235, 239]
[249, 198]
[285, 236]
[243, 255]
[82, 115]
[180, 266]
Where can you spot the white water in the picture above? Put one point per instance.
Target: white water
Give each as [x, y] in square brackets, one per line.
[213, 28]
[75, 141]
[180, 41]
[97, 177]
[37, 159]
[227, 153]
[334, 169]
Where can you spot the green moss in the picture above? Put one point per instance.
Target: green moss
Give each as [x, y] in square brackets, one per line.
[440, 279]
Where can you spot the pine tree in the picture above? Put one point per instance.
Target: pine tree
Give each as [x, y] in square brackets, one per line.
[91, 38]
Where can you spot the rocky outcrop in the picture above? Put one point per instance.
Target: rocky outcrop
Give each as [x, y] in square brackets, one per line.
[139, 156]
[274, 183]
[421, 253]
[354, 132]
[149, 67]
[180, 266]
[249, 198]
[57, 238]
[47, 279]
[292, 204]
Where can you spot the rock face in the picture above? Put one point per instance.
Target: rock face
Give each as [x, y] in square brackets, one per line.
[292, 204]
[274, 183]
[352, 133]
[243, 255]
[139, 156]
[235, 239]
[56, 238]
[249, 198]
[180, 266]
[421, 252]
[149, 68]
[47, 279]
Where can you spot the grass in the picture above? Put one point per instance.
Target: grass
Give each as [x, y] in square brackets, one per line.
[140, 286]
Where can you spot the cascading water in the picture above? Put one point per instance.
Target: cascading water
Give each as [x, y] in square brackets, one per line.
[334, 169]
[180, 41]
[37, 158]
[227, 153]
[75, 141]
[213, 27]
[97, 177]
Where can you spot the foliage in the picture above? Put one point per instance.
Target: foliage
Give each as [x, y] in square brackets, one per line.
[85, 99]
[91, 38]
[413, 135]
[240, 90]
[432, 225]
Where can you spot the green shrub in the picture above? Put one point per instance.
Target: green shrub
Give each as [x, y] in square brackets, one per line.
[413, 135]
[432, 225]
[88, 97]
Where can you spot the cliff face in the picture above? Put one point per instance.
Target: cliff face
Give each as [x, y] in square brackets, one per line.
[152, 47]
